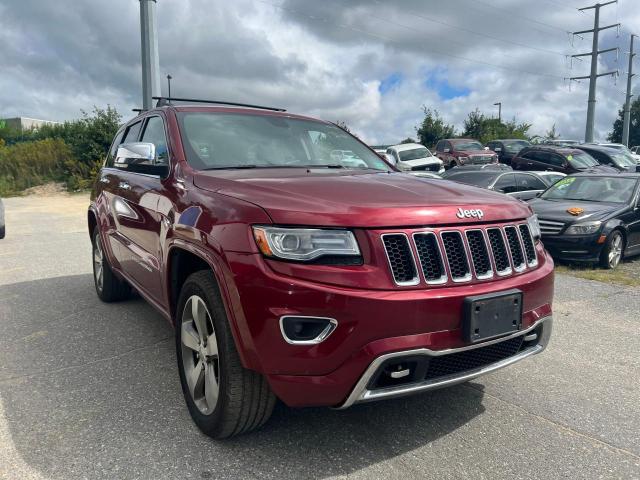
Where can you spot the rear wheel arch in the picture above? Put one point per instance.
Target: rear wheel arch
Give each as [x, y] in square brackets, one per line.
[92, 222]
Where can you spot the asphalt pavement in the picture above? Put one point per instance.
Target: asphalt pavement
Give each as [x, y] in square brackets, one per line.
[89, 390]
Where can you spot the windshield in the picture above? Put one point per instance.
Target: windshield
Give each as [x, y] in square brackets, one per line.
[624, 159]
[515, 147]
[234, 140]
[592, 189]
[468, 146]
[582, 160]
[414, 154]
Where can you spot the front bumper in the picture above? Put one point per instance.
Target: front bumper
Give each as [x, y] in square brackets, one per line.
[371, 323]
[578, 248]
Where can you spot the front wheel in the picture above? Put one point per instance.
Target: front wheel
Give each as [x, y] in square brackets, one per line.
[223, 398]
[613, 250]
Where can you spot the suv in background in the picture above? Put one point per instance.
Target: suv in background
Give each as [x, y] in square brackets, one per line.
[507, 149]
[463, 151]
[559, 159]
[291, 271]
[414, 158]
[621, 160]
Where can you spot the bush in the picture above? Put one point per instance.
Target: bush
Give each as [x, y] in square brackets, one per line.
[28, 164]
[82, 145]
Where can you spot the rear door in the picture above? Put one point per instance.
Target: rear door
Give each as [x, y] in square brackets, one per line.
[528, 186]
[139, 222]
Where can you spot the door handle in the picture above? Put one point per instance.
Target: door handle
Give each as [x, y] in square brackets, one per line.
[124, 186]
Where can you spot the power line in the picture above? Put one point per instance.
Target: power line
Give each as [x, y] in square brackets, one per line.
[481, 34]
[511, 13]
[391, 40]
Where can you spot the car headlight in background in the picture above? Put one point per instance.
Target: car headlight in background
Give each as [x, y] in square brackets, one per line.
[586, 228]
[534, 227]
[305, 244]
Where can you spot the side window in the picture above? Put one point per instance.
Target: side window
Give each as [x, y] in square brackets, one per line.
[556, 160]
[440, 146]
[154, 133]
[132, 133]
[529, 182]
[543, 157]
[506, 183]
[600, 157]
[449, 146]
[111, 156]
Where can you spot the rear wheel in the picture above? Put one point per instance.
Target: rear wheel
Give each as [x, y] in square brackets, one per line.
[108, 287]
[613, 250]
[223, 398]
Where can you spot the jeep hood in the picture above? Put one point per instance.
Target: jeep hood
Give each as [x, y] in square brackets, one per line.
[327, 197]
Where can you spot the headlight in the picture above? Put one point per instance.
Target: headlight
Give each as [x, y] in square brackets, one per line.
[462, 159]
[304, 244]
[534, 227]
[585, 228]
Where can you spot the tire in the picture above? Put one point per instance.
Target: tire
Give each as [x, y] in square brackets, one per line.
[108, 286]
[223, 398]
[613, 251]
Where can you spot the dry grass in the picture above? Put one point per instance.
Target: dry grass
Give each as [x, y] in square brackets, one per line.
[626, 274]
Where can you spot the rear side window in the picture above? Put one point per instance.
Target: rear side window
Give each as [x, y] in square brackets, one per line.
[132, 133]
[111, 156]
[506, 183]
[529, 182]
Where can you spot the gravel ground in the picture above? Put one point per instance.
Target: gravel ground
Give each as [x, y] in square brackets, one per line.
[89, 390]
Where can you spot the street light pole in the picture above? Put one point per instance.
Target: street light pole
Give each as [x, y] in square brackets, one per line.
[149, 49]
[627, 105]
[499, 104]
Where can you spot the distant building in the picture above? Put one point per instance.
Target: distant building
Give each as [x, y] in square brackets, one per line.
[24, 123]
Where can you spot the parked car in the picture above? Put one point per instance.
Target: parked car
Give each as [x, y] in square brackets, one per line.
[557, 159]
[635, 150]
[591, 217]
[288, 275]
[2, 227]
[463, 151]
[623, 148]
[507, 149]
[414, 158]
[560, 142]
[619, 159]
[521, 185]
[486, 166]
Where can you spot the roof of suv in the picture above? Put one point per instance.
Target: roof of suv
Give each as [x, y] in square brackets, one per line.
[553, 148]
[229, 109]
[406, 146]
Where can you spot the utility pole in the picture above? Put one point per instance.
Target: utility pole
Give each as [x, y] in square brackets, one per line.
[591, 105]
[499, 104]
[150, 57]
[627, 105]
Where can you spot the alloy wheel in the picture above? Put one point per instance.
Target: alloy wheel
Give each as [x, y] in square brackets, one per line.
[615, 251]
[200, 359]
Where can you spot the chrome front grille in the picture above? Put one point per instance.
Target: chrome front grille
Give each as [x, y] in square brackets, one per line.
[459, 255]
[549, 227]
[480, 159]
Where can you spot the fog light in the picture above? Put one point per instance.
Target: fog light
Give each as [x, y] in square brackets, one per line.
[300, 330]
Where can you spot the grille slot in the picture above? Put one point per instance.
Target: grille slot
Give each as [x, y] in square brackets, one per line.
[471, 359]
[549, 227]
[479, 254]
[430, 258]
[517, 255]
[400, 259]
[456, 256]
[529, 248]
[499, 250]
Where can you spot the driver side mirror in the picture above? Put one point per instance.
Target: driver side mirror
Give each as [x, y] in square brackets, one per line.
[140, 157]
[446, 150]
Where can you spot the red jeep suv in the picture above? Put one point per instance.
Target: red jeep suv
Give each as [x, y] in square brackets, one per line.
[456, 152]
[296, 264]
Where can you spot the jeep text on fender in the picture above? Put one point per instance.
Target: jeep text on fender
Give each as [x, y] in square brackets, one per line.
[296, 264]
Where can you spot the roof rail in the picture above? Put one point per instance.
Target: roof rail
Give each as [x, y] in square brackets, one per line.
[163, 101]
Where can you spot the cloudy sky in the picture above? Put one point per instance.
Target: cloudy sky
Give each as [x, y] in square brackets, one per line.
[369, 63]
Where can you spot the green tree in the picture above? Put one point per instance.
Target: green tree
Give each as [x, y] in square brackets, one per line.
[634, 127]
[433, 128]
[408, 140]
[343, 125]
[552, 134]
[485, 129]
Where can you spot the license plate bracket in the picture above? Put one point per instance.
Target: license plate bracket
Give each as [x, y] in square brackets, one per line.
[491, 315]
